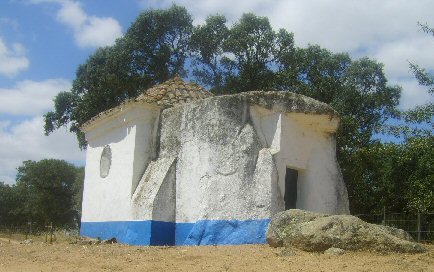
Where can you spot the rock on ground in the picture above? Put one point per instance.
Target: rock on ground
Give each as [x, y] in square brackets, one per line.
[334, 251]
[84, 240]
[27, 242]
[318, 232]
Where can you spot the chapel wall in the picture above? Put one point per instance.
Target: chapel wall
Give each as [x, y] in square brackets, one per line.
[127, 136]
[308, 146]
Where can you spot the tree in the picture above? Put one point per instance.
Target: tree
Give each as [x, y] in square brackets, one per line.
[10, 201]
[255, 46]
[78, 190]
[398, 176]
[425, 112]
[252, 56]
[249, 55]
[419, 143]
[47, 188]
[207, 48]
[358, 90]
[153, 50]
[242, 58]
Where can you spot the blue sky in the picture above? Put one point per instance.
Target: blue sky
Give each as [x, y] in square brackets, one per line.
[42, 42]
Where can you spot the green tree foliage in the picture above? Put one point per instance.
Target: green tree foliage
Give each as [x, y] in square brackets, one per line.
[399, 177]
[255, 47]
[153, 49]
[47, 189]
[10, 200]
[251, 55]
[241, 58]
[207, 48]
[77, 189]
[357, 89]
[248, 55]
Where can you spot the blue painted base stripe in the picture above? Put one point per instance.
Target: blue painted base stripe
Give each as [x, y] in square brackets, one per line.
[203, 232]
[222, 232]
[143, 233]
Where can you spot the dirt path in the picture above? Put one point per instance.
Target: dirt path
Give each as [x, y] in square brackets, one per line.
[72, 257]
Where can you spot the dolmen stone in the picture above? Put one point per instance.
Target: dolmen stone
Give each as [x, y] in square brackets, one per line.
[311, 231]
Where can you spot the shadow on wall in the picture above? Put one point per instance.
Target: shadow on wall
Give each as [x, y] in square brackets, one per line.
[162, 233]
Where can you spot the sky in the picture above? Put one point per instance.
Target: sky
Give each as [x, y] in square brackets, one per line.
[42, 42]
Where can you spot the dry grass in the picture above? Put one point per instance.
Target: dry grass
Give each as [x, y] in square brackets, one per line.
[59, 236]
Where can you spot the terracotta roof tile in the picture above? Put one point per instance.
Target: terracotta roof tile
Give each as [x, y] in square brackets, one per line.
[173, 91]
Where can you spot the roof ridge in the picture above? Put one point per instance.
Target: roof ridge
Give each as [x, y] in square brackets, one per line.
[173, 91]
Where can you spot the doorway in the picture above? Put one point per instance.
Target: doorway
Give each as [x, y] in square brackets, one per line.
[290, 197]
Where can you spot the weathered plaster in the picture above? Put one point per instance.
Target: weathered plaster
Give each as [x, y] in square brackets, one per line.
[215, 167]
[153, 198]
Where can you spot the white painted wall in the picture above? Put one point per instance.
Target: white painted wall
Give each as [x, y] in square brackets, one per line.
[220, 159]
[308, 145]
[305, 143]
[129, 133]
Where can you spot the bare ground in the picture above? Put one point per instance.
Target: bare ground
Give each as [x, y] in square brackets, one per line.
[62, 256]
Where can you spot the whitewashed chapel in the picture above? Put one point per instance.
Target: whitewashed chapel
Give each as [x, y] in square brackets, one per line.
[177, 166]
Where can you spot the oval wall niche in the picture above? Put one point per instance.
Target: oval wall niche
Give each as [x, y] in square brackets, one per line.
[105, 162]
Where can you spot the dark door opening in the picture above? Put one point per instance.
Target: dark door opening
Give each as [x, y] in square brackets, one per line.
[291, 188]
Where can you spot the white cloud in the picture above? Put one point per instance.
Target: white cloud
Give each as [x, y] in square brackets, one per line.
[72, 14]
[12, 59]
[26, 141]
[89, 31]
[31, 97]
[397, 54]
[98, 32]
[412, 94]
[385, 30]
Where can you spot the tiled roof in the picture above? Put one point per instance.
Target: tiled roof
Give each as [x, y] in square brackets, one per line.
[167, 94]
[173, 91]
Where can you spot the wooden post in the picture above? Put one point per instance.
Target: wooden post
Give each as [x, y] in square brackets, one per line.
[46, 232]
[384, 215]
[50, 229]
[51, 233]
[27, 231]
[418, 227]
